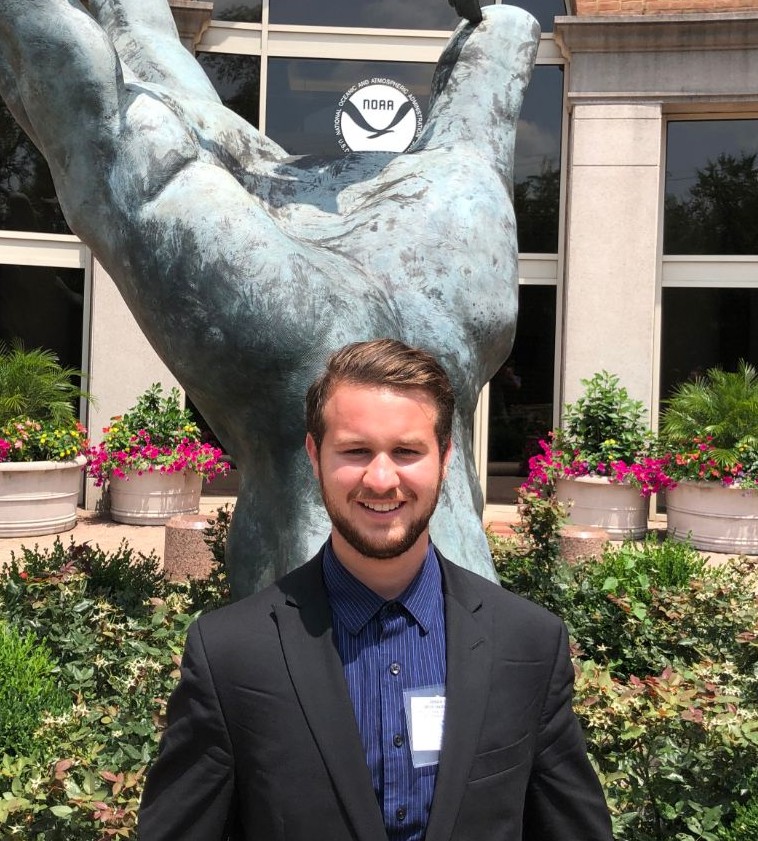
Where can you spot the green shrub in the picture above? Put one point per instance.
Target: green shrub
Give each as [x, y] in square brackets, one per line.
[674, 752]
[720, 408]
[604, 425]
[666, 656]
[530, 563]
[745, 825]
[33, 384]
[28, 689]
[124, 577]
[115, 630]
[632, 569]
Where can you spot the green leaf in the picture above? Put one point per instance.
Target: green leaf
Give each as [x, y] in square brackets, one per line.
[639, 610]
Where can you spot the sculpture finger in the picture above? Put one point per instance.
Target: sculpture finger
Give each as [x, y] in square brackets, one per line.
[145, 37]
[10, 95]
[479, 84]
[63, 80]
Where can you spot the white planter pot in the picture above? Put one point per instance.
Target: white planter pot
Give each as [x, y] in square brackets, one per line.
[152, 499]
[595, 501]
[714, 517]
[39, 497]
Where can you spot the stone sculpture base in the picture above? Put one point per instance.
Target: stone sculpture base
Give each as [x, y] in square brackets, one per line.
[186, 554]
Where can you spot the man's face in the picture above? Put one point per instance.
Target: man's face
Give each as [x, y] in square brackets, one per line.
[380, 469]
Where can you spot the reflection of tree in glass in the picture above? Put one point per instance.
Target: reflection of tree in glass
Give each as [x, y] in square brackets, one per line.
[536, 201]
[237, 80]
[396, 14]
[719, 215]
[27, 196]
[402, 14]
[250, 13]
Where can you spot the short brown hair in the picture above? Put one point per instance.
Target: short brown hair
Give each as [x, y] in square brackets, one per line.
[384, 363]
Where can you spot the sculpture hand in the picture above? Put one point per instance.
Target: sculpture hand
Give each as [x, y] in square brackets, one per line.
[246, 267]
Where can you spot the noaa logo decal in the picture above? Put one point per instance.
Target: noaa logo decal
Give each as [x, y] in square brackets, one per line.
[377, 115]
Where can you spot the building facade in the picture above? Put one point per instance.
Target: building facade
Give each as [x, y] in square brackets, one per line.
[636, 186]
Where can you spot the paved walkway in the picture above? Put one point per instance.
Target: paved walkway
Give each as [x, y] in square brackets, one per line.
[100, 530]
[95, 529]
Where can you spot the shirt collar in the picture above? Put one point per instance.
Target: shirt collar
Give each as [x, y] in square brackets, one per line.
[355, 604]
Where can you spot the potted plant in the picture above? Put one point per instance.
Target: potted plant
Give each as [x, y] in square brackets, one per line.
[601, 463]
[153, 461]
[709, 437]
[41, 442]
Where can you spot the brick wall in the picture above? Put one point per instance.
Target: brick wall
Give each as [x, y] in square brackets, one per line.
[660, 7]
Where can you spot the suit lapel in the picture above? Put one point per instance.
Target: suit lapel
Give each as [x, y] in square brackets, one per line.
[469, 661]
[305, 631]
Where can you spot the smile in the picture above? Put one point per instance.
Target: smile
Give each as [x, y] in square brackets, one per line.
[382, 507]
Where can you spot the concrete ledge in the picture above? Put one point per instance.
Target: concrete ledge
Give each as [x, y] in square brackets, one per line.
[186, 554]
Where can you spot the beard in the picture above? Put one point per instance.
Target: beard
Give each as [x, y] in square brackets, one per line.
[380, 547]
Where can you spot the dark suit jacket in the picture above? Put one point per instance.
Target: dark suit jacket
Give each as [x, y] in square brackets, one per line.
[262, 742]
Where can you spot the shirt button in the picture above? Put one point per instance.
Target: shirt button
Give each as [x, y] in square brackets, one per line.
[395, 668]
[400, 814]
[398, 741]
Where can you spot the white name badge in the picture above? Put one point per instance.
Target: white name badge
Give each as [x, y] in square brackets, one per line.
[425, 717]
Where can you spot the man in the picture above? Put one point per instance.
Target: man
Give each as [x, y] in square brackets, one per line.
[379, 691]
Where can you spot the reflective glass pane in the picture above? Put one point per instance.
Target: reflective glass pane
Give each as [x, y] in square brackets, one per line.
[711, 187]
[239, 10]
[392, 14]
[27, 196]
[544, 10]
[703, 328]
[304, 96]
[43, 307]
[537, 170]
[521, 395]
[237, 80]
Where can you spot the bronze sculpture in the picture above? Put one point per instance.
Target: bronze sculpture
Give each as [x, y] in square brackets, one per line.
[245, 267]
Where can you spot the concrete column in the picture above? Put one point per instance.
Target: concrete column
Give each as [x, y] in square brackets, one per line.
[612, 261]
[122, 362]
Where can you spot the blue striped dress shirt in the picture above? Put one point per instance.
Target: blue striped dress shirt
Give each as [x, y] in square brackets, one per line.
[388, 647]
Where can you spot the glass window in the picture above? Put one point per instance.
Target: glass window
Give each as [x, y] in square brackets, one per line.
[248, 11]
[304, 96]
[43, 307]
[391, 14]
[537, 169]
[521, 395]
[703, 328]
[27, 196]
[544, 10]
[237, 80]
[711, 187]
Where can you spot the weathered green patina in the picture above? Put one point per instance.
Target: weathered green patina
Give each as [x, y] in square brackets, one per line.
[245, 267]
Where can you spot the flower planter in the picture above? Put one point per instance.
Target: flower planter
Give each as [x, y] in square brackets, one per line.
[152, 499]
[617, 508]
[714, 517]
[39, 497]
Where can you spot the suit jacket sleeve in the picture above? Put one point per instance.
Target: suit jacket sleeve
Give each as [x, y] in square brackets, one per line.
[189, 793]
[564, 800]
